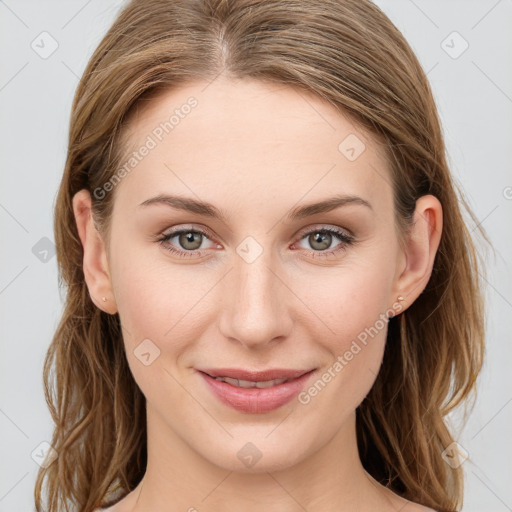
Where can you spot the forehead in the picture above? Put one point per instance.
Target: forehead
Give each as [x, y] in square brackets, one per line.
[245, 139]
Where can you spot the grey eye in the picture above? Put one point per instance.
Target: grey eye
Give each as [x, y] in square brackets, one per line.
[190, 240]
[320, 240]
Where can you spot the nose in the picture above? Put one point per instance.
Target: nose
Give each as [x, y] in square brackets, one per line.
[255, 304]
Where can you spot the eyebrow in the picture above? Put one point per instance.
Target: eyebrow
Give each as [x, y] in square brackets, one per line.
[208, 210]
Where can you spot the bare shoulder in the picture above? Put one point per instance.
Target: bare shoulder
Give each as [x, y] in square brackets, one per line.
[124, 505]
[405, 505]
[410, 506]
[113, 508]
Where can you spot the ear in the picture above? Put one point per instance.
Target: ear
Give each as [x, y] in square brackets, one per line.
[421, 244]
[95, 264]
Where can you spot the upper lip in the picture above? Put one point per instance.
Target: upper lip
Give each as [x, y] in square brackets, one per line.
[254, 376]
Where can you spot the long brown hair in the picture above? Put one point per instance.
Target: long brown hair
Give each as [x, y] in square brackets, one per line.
[351, 55]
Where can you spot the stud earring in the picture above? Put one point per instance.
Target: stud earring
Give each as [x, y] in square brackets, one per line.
[104, 299]
[400, 298]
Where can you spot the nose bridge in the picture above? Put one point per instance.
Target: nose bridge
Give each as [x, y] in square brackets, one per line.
[255, 309]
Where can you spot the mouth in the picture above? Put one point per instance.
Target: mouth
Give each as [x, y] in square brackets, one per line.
[251, 384]
[239, 374]
[255, 392]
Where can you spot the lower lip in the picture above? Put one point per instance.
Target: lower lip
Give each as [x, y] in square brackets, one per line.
[256, 400]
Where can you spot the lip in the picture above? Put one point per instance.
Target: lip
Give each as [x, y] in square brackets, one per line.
[255, 376]
[256, 400]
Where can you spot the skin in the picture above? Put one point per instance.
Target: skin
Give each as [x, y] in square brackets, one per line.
[255, 151]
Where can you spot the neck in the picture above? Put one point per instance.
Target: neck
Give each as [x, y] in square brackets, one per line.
[178, 478]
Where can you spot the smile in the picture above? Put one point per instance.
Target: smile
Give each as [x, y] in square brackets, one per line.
[251, 384]
[255, 396]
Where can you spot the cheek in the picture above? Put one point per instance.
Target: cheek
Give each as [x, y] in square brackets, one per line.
[154, 304]
[159, 301]
[350, 299]
[353, 302]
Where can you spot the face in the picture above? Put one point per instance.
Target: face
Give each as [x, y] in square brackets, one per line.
[249, 283]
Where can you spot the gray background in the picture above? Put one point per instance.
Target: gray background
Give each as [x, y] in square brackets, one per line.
[473, 90]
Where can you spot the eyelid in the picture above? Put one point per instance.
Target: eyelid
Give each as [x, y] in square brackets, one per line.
[343, 234]
[171, 233]
[324, 227]
[186, 227]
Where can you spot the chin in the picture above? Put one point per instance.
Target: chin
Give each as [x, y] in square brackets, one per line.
[257, 454]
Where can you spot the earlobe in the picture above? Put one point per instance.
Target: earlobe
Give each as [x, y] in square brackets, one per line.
[95, 263]
[422, 243]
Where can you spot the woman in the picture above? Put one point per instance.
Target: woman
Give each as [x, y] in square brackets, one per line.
[266, 269]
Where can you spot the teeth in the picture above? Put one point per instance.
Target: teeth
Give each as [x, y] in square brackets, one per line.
[229, 380]
[245, 383]
[251, 384]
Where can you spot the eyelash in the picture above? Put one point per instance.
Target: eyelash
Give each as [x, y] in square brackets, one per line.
[341, 235]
